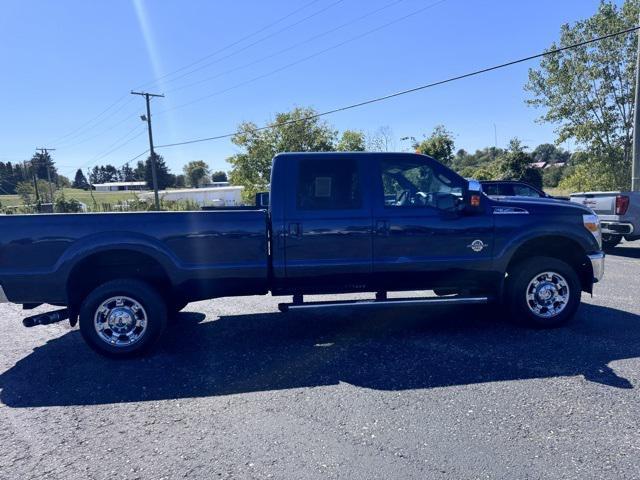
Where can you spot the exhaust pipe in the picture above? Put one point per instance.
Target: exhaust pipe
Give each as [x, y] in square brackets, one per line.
[46, 318]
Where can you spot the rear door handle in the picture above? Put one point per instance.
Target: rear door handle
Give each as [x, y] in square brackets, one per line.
[295, 230]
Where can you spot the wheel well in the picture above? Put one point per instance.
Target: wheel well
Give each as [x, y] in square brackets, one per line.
[99, 268]
[562, 248]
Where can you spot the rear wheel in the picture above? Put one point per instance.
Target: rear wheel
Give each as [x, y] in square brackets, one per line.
[610, 241]
[542, 292]
[122, 318]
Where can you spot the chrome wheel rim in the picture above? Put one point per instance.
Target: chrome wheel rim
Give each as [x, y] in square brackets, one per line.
[547, 294]
[120, 321]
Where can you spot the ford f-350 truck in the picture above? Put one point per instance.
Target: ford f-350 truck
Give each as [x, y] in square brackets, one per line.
[336, 223]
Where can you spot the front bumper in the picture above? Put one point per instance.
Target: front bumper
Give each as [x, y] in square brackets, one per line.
[597, 265]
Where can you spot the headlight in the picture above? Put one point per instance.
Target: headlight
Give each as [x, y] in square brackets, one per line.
[592, 223]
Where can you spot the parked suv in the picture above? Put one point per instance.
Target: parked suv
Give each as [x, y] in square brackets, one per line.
[513, 188]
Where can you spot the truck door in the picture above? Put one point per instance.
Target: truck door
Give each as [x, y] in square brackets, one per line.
[422, 238]
[328, 225]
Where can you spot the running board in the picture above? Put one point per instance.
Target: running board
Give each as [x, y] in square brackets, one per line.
[458, 300]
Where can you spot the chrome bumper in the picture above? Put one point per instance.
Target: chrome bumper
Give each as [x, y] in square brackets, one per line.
[597, 264]
[616, 228]
[3, 297]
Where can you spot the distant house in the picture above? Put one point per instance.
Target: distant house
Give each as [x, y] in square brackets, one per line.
[119, 186]
[538, 164]
[216, 184]
[227, 196]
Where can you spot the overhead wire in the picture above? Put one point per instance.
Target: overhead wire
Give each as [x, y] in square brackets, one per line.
[98, 119]
[410, 90]
[289, 48]
[257, 42]
[301, 60]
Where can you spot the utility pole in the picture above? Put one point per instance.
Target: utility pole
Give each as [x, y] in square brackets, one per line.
[34, 178]
[44, 151]
[635, 166]
[147, 117]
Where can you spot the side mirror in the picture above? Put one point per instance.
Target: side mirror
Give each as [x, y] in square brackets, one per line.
[473, 196]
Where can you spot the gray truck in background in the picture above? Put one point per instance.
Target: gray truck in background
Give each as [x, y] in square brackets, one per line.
[619, 214]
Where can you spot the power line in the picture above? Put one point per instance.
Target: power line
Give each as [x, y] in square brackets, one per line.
[296, 45]
[91, 120]
[410, 90]
[304, 59]
[101, 132]
[117, 145]
[260, 40]
[81, 130]
[134, 158]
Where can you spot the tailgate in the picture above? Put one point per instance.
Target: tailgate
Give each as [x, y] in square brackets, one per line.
[601, 203]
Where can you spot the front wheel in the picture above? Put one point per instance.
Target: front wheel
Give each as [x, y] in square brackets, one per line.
[543, 292]
[122, 318]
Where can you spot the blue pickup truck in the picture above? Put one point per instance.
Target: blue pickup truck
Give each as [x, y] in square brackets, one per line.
[336, 223]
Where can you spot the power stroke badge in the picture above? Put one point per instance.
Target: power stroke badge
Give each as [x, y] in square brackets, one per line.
[477, 245]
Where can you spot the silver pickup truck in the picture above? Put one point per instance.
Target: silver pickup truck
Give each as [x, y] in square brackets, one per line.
[619, 214]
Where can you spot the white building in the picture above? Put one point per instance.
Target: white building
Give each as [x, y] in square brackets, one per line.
[230, 196]
[119, 186]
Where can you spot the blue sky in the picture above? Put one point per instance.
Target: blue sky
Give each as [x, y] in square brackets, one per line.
[65, 62]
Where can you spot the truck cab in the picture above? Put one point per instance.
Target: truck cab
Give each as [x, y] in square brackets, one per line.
[376, 222]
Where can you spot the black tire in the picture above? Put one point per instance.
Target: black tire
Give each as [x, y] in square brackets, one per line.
[521, 276]
[610, 241]
[154, 314]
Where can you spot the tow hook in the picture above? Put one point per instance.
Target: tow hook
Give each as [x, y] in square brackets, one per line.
[46, 318]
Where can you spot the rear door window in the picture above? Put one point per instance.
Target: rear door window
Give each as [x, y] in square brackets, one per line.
[328, 184]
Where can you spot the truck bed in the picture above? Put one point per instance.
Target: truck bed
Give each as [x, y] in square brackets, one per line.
[204, 254]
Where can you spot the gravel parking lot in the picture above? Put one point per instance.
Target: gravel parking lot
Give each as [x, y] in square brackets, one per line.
[238, 390]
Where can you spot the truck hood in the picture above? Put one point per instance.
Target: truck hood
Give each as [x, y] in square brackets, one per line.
[541, 205]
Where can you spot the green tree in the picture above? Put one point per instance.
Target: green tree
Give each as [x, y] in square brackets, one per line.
[219, 176]
[588, 92]
[64, 205]
[516, 165]
[27, 192]
[552, 175]
[296, 131]
[439, 145]
[180, 181]
[139, 171]
[550, 154]
[351, 141]
[165, 178]
[80, 181]
[41, 162]
[381, 140]
[196, 173]
[126, 174]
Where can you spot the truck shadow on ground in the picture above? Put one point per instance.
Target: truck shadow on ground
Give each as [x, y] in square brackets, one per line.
[625, 251]
[386, 350]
